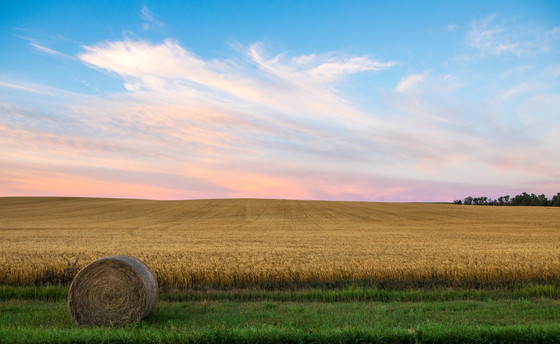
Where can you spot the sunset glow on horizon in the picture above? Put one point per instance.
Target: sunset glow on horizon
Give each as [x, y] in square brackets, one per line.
[359, 101]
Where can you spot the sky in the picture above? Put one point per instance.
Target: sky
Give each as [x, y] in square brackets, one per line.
[401, 101]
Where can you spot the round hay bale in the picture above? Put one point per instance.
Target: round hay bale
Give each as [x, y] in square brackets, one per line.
[113, 291]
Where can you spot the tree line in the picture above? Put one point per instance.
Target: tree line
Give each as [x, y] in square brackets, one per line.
[520, 200]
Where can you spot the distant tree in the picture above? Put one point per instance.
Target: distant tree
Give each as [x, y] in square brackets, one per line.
[530, 200]
[542, 200]
[534, 200]
[524, 199]
[457, 201]
[555, 201]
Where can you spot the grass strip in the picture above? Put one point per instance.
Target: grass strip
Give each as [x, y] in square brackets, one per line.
[271, 322]
[43, 293]
[427, 334]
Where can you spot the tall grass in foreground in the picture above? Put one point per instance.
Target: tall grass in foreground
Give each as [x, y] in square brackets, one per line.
[343, 294]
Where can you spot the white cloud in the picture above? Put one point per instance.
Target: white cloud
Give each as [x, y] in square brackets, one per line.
[287, 107]
[452, 27]
[284, 107]
[407, 84]
[297, 85]
[316, 68]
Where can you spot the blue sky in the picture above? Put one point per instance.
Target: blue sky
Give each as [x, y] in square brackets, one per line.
[360, 100]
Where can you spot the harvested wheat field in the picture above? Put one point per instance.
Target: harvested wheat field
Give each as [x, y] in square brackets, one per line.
[240, 242]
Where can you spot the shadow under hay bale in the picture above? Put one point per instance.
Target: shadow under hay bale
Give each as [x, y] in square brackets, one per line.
[113, 290]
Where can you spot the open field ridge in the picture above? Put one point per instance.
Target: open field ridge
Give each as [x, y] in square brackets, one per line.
[258, 242]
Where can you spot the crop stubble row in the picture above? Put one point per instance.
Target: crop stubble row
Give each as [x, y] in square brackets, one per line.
[254, 241]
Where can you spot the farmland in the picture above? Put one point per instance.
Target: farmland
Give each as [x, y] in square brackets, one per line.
[254, 242]
[281, 271]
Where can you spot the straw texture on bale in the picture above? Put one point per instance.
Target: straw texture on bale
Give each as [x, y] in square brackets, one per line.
[113, 290]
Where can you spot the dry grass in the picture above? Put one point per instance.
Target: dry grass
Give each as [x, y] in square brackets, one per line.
[248, 241]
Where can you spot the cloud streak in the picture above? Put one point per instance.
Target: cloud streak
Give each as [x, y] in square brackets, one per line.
[27, 88]
[407, 84]
[149, 19]
[43, 49]
[496, 38]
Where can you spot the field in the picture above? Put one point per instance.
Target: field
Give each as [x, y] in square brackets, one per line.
[276, 271]
[248, 242]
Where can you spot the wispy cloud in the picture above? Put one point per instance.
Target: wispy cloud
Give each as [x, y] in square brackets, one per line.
[496, 37]
[521, 89]
[407, 83]
[314, 68]
[519, 70]
[43, 49]
[27, 88]
[149, 19]
[299, 87]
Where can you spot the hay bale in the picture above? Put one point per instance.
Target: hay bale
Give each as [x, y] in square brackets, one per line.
[113, 290]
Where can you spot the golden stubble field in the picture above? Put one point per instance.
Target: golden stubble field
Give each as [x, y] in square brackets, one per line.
[254, 241]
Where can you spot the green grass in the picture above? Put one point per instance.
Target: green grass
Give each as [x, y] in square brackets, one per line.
[529, 314]
[429, 334]
[309, 316]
